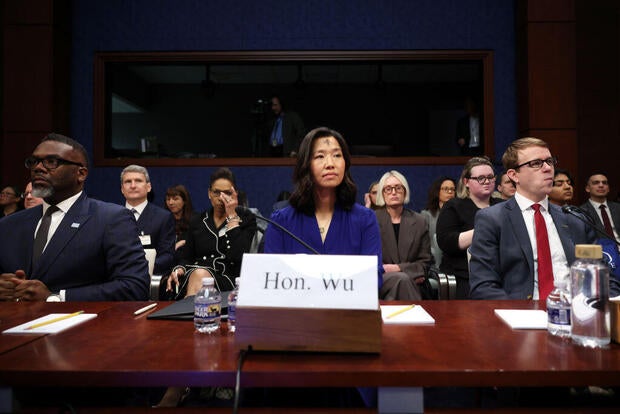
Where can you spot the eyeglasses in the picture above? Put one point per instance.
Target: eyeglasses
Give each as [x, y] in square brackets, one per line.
[7, 194]
[560, 183]
[537, 164]
[50, 163]
[448, 189]
[483, 179]
[218, 192]
[395, 188]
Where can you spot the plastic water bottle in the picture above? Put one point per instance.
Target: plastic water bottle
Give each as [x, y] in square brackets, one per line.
[207, 307]
[558, 309]
[590, 297]
[232, 307]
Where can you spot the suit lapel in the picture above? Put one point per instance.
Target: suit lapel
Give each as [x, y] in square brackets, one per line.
[561, 225]
[388, 237]
[72, 222]
[405, 234]
[520, 230]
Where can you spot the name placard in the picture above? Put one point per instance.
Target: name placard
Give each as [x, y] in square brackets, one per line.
[309, 281]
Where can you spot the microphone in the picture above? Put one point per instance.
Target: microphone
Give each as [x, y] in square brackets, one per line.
[240, 209]
[580, 214]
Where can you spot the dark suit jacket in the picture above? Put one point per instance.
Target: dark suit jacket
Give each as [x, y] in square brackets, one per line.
[159, 225]
[413, 253]
[292, 131]
[614, 212]
[463, 131]
[95, 254]
[502, 261]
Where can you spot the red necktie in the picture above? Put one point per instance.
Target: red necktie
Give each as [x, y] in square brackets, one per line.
[608, 229]
[545, 268]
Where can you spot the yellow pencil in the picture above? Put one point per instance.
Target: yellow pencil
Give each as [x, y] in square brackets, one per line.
[398, 312]
[54, 320]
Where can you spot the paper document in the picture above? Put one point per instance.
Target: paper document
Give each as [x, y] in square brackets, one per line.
[523, 318]
[405, 314]
[51, 328]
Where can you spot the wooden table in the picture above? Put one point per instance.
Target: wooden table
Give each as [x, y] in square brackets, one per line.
[467, 346]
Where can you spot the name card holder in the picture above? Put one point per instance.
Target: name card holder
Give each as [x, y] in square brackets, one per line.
[316, 304]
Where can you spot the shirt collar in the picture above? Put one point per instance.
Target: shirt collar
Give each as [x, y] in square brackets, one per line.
[525, 203]
[65, 204]
[139, 208]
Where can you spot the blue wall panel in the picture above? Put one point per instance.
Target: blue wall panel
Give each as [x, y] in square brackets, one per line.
[171, 25]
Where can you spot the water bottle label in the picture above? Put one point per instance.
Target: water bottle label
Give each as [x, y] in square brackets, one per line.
[207, 311]
[232, 312]
[558, 316]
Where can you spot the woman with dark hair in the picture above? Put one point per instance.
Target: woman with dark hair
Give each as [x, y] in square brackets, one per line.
[10, 200]
[179, 203]
[455, 224]
[441, 190]
[216, 240]
[322, 209]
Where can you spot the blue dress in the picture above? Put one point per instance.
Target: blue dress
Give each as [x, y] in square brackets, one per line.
[354, 232]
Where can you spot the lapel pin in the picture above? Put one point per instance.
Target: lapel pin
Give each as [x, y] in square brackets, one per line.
[75, 225]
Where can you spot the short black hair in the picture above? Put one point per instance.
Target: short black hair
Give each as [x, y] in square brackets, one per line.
[70, 142]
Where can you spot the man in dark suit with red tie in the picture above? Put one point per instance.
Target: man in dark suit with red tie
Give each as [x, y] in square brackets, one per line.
[521, 245]
[70, 248]
[604, 212]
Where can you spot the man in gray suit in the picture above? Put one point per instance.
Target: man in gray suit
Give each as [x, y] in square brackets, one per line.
[604, 212]
[504, 258]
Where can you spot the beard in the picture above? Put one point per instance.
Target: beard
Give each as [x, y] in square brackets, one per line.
[42, 192]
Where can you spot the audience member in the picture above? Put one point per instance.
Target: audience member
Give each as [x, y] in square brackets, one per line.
[179, 203]
[281, 200]
[30, 200]
[285, 129]
[604, 212]
[505, 188]
[92, 253]
[406, 246]
[521, 245]
[562, 190]
[155, 224]
[10, 200]
[469, 130]
[441, 190]
[370, 198]
[216, 240]
[455, 225]
[322, 210]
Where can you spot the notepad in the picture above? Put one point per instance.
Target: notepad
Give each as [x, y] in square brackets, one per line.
[52, 327]
[523, 318]
[415, 315]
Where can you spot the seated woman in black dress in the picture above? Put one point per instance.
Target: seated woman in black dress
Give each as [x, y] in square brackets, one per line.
[216, 241]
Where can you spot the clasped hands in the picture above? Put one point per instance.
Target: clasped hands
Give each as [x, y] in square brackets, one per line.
[14, 287]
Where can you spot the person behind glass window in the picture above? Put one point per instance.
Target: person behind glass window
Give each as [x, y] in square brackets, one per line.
[562, 190]
[455, 225]
[285, 130]
[440, 191]
[406, 246]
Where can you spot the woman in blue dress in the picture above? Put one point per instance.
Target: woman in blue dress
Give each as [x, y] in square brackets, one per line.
[322, 210]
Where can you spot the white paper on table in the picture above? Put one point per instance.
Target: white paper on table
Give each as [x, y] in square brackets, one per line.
[54, 327]
[415, 315]
[523, 318]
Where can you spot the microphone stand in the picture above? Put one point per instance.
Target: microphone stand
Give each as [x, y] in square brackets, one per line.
[580, 214]
[278, 225]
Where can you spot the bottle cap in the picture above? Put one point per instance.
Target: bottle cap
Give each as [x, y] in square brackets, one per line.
[207, 281]
[589, 251]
